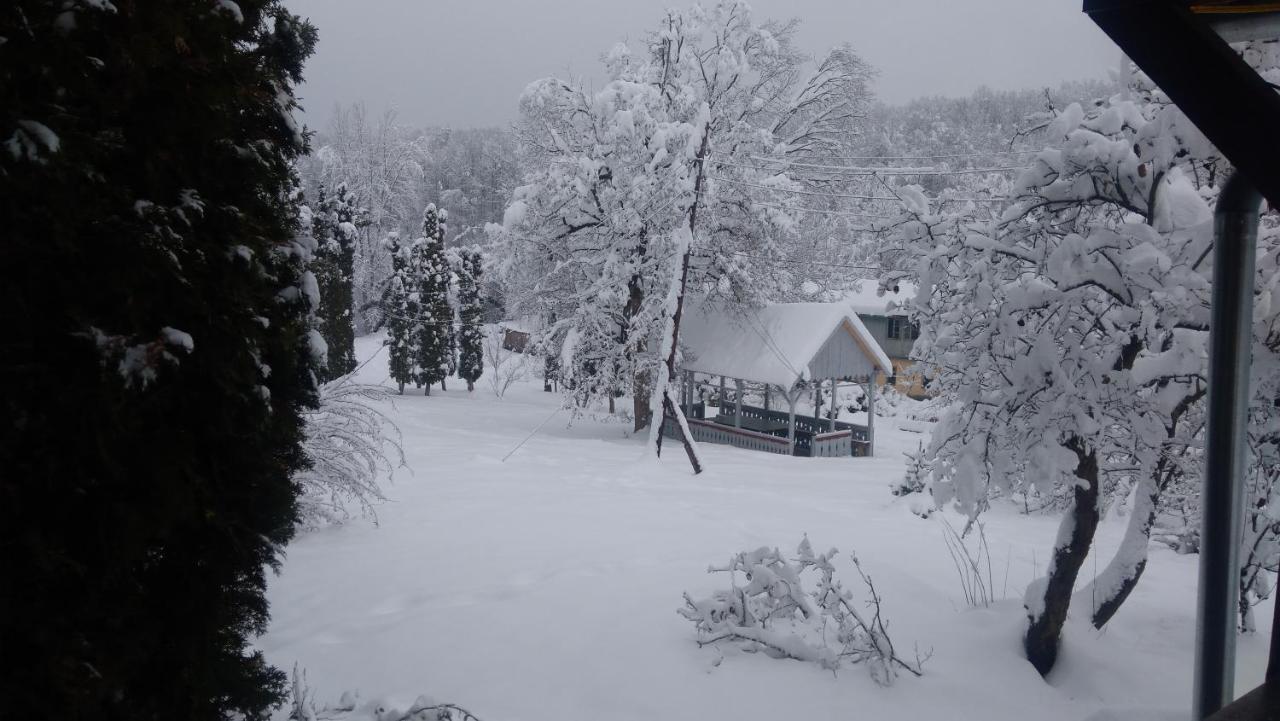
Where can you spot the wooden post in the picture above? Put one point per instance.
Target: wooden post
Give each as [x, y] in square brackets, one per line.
[871, 414]
[767, 393]
[817, 403]
[737, 403]
[693, 393]
[684, 393]
[831, 412]
[792, 397]
[720, 402]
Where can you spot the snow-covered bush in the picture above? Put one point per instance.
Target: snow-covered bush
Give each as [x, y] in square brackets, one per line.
[302, 707]
[346, 445]
[507, 365]
[774, 614]
[917, 472]
[973, 565]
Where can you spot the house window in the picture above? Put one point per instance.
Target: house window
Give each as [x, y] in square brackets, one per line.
[902, 329]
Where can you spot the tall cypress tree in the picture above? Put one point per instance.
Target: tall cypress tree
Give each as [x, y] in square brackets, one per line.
[400, 307]
[471, 318]
[451, 327]
[436, 314]
[156, 332]
[334, 224]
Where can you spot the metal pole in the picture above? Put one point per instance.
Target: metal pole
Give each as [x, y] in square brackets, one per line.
[1230, 336]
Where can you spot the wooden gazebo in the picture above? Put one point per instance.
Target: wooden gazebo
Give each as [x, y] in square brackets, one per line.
[787, 350]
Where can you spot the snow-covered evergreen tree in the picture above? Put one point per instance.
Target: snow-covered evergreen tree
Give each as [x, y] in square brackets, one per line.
[400, 307]
[470, 318]
[158, 353]
[435, 314]
[334, 223]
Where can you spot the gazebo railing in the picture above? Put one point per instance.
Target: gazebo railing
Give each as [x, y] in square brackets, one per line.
[766, 429]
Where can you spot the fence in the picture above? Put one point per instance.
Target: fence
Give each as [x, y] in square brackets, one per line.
[711, 432]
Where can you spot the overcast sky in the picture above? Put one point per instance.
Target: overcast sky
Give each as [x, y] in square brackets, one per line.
[465, 62]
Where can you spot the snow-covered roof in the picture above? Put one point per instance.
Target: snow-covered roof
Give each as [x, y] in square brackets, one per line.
[867, 300]
[775, 344]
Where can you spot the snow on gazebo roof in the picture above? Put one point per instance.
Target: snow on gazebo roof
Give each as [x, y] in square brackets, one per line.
[775, 344]
[867, 300]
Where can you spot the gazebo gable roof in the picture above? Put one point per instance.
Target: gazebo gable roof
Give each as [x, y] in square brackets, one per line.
[773, 344]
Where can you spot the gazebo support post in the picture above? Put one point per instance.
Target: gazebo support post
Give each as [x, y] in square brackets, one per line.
[831, 411]
[792, 396]
[737, 402]
[768, 391]
[871, 414]
[720, 402]
[817, 403]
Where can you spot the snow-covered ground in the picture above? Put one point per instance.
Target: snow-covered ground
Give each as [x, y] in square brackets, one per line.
[545, 587]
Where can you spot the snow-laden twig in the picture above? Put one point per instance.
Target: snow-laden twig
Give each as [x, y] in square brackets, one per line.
[302, 707]
[774, 614]
[347, 442]
[977, 583]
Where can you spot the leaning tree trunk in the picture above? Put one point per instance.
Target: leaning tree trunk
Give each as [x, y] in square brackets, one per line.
[667, 371]
[1106, 593]
[1048, 598]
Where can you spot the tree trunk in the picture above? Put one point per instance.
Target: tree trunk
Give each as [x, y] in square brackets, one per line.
[1049, 598]
[427, 390]
[1105, 594]
[641, 412]
[443, 387]
[471, 386]
[401, 385]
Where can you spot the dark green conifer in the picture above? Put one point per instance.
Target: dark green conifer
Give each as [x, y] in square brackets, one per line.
[156, 353]
[400, 305]
[435, 330]
[471, 318]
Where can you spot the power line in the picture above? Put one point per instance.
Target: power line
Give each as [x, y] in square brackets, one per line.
[875, 172]
[990, 154]
[805, 262]
[850, 196]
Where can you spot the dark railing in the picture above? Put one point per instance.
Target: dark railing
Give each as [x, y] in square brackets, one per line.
[774, 422]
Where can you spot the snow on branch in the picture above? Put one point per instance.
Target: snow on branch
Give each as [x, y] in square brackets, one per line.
[774, 614]
[346, 444]
[302, 707]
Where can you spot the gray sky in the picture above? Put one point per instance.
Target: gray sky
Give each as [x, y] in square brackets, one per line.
[465, 62]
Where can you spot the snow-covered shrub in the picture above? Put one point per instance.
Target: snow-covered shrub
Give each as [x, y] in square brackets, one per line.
[913, 479]
[973, 565]
[508, 366]
[302, 707]
[774, 614]
[346, 445]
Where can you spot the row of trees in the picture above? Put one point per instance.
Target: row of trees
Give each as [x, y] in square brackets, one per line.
[394, 169]
[425, 341]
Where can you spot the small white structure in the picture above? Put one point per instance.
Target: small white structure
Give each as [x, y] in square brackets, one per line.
[789, 348]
